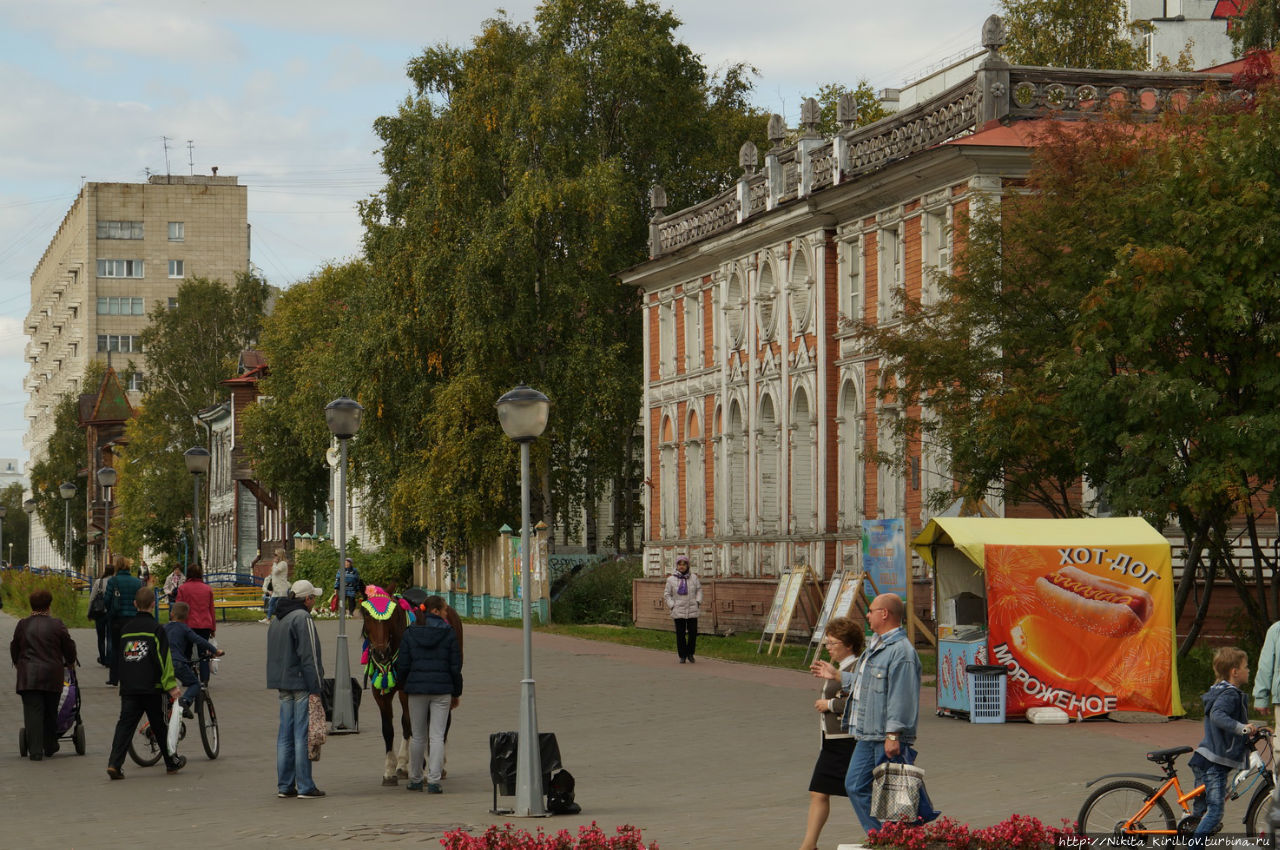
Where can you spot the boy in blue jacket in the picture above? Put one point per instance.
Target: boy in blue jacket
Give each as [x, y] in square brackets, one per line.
[1225, 746]
[181, 638]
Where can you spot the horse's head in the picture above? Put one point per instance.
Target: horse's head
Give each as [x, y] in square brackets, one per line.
[384, 631]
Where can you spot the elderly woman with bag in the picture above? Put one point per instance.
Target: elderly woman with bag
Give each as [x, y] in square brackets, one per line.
[41, 649]
[683, 595]
[844, 642]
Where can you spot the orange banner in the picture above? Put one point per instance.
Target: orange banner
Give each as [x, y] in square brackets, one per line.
[1086, 629]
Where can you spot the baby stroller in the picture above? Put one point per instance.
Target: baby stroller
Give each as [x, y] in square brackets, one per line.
[69, 723]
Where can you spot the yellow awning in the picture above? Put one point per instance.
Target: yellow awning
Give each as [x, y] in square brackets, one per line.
[972, 534]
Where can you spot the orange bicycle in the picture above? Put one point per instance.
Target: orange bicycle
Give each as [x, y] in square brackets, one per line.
[1130, 806]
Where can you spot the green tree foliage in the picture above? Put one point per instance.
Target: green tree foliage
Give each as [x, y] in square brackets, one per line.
[1120, 321]
[190, 349]
[16, 526]
[518, 174]
[65, 457]
[1071, 34]
[1256, 28]
[869, 108]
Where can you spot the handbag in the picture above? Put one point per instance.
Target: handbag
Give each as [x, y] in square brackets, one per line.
[896, 789]
[316, 731]
[98, 607]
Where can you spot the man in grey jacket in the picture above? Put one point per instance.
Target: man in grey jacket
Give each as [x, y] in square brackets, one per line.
[294, 669]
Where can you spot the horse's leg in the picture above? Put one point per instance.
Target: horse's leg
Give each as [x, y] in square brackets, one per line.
[389, 762]
[402, 761]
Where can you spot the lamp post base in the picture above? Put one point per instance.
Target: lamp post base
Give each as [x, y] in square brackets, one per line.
[344, 713]
[529, 800]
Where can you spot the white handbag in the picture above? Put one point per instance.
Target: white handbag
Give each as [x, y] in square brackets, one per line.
[175, 727]
[895, 791]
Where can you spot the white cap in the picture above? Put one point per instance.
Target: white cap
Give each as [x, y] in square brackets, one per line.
[302, 588]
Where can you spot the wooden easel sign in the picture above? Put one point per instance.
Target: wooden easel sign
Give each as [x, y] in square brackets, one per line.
[842, 596]
[785, 599]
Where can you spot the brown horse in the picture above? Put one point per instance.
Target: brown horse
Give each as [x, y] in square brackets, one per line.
[384, 625]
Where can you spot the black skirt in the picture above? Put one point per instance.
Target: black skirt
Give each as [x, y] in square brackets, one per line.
[832, 765]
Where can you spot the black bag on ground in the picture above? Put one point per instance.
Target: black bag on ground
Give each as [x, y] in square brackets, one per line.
[560, 795]
[326, 698]
[502, 759]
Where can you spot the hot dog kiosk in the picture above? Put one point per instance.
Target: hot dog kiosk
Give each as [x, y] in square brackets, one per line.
[1079, 611]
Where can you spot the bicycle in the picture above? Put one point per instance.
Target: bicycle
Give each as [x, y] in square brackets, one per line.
[144, 746]
[1130, 807]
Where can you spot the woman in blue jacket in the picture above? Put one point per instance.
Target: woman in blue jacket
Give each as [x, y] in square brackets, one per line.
[430, 666]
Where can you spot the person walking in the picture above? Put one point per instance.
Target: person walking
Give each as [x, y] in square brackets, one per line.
[102, 625]
[1266, 685]
[844, 642]
[146, 672]
[683, 595]
[121, 591]
[41, 649]
[430, 666]
[884, 704]
[200, 615]
[171, 585]
[279, 581]
[294, 670]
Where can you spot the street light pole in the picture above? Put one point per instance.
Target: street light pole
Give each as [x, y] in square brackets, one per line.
[342, 415]
[68, 492]
[30, 507]
[3, 511]
[197, 460]
[523, 414]
[106, 480]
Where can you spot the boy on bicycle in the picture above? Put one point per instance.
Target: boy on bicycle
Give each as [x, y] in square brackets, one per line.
[1224, 747]
[181, 638]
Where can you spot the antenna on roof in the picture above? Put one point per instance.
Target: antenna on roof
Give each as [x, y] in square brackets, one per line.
[191, 162]
[167, 172]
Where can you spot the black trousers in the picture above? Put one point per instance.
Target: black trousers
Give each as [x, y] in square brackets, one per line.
[204, 662]
[686, 636]
[40, 717]
[101, 625]
[132, 707]
[117, 626]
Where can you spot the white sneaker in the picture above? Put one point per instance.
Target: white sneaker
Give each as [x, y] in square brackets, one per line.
[265, 620]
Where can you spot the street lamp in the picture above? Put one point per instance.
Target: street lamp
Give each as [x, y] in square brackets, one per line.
[197, 460]
[3, 511]
[523, 414]
[106, 480]
[68, 492]
[342, 415]
[30, 507]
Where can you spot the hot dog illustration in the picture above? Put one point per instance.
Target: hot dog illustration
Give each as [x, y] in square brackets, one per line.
[1093, 603]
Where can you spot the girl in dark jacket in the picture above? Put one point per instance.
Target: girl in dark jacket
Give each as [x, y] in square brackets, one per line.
[41, 649]
[430, 666]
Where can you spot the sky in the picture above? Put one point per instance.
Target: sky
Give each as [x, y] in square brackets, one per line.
[283, 94]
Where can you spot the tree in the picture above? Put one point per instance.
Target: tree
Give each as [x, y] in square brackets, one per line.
[1070, 34]
[1119, 322]
[17, 527]
[65, 456]
[190, 349]
[1257, 27]
[517, 178]
[869, 108]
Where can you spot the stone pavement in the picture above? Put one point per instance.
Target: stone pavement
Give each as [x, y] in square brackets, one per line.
[711, 755]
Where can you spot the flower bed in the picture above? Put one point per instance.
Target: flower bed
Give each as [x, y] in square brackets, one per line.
[507, 837]
[1019, 832]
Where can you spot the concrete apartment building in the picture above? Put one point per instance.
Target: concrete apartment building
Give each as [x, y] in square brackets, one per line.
[121, 248]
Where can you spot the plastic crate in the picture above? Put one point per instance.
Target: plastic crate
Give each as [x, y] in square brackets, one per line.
[987, 692]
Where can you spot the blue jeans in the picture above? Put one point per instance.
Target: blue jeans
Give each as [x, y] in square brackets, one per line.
[857, 781]
[271, 605]
[293, 768]
[1209, 804]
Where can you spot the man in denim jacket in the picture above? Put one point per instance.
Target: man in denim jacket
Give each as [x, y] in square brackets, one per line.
[884, 703]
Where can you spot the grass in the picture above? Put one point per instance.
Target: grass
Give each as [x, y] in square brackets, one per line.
[740, 647]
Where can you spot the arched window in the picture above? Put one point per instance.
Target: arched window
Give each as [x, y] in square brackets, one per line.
[768, 455]
[668, 489]
[800, 290]
[694, 480]
[717, 476]
[734, 309]
[765, 296]
[802, 478]
[736, 521]
[850, 437]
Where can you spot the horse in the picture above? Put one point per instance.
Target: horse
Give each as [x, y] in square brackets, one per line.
[384, 625]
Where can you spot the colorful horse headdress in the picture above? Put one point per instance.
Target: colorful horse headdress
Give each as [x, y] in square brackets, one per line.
[378, 603]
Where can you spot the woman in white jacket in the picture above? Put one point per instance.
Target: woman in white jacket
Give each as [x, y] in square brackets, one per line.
[279, 581]
[683, 595]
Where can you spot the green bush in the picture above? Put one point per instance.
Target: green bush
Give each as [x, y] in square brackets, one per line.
[16, 592]
[599, 594]
[320, 566]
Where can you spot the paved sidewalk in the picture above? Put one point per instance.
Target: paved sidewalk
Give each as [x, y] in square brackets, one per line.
[711, 755]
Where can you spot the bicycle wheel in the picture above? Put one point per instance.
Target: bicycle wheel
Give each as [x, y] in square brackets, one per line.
[1257, 819]
[1105, 810]
[144, 747]
[208, 725]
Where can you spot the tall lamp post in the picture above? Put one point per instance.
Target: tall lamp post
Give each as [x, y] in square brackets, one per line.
[523, 414]
[197, 460]
[67, 491]
[3, 511]
[342, 415]
[30, 507]
[107, 481]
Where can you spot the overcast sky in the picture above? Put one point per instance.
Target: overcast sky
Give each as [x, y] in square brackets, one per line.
[283, 94]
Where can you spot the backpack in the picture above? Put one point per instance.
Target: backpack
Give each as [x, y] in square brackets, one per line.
[560, 794]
